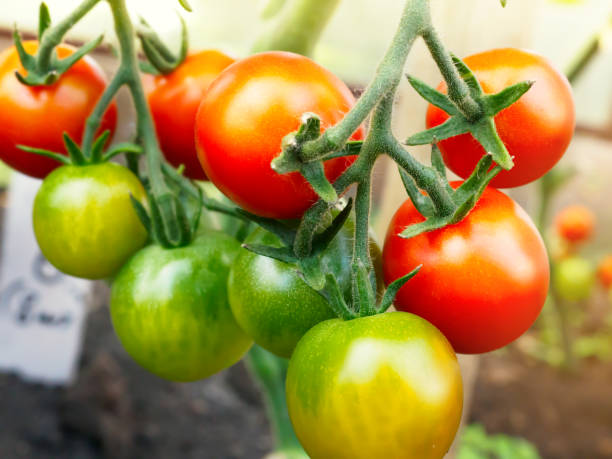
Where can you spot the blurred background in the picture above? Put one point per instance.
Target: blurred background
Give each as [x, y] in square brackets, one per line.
[547, 395]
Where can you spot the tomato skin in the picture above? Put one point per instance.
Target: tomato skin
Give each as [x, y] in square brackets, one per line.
[387, 386]
[174, 100]
[84, 220]
[604, 271]
[575, 223]
[574, 278]
[170, 311]
[536, 130]
[484, 280]
[273, 304]
[245, 115]
[38, 116]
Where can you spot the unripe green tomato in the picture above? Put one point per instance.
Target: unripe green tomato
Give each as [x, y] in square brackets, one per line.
[574, 278]
[381, 387]
[84, 220]
[170, 311]
[273, 304]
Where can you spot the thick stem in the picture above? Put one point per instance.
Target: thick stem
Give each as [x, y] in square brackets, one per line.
[298, 27]
[415, 19]
[458, 90]
[54, 35]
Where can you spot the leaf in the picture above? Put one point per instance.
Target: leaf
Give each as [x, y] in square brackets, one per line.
[452, 127]
[44, 19]
[395, 287]
[433, 96]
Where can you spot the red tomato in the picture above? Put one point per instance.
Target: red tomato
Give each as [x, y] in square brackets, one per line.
[537, 129]
[575, 223]
[38, 116]
[604, 272]
[245, 115]
[484, 280]
[174, 100]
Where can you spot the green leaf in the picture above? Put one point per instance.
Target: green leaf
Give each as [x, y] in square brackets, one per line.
[44, 19]
[395, 287]
[495, 103]
[433, 96]
[452, 127]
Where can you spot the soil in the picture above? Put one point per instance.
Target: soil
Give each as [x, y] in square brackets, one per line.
[117, 410]
[565, 415]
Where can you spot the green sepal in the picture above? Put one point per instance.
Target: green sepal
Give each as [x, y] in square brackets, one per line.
[455, 125]
[395, 287]
[322, 240]
[474, 182]
[158, 54]
[310, 271]
[74, 151]
[44, 20]
[98, 146]
[437, 162]
[433, 96]
[431, 224]
[147, 67]
[49, 154]
[332, 293]
[352, 148]
[495, 103]
[422, 202]
[278, 253]
[278, 228]
[197, 216]
[62, 65]
[314, 173]
[121, 148]
[289, 159]
[141, 213]
[468, 76]
[485, 132]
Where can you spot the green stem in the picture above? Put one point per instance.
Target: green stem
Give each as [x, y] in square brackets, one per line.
[586, 54]
[129, 72]
[54, 35]
[269, 372]
[458, 90]
[415, 18]
[298, 27]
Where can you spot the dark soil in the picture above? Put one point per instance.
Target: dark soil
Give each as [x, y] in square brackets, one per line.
[117, 410]
[566, 415]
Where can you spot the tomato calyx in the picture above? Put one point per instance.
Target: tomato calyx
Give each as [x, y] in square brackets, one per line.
[480, 123]
[160, 60]
[44, 68]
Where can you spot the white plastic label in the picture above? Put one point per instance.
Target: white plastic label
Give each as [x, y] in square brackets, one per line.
[41, 310]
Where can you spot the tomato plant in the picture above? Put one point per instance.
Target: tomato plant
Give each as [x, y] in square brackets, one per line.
[245, 115]
[174, 100]
[273, 304]
[170, 310]
[37, 116]
[84, 221]
[536, 130]
[344, 378]
[575, 223]
[484, 280]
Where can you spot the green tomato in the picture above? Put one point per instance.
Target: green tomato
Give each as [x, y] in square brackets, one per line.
[170, 311]
[574, 278]
[273, 304]
[84, 221]
[387, 386]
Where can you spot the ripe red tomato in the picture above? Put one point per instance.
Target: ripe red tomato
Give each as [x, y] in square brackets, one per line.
[537, 129]
[243, 118]
[604, 271]
[484, 280]
[575, 223]
[38, 116]
[174, 100]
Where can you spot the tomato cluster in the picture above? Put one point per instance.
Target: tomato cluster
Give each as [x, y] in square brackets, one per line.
[187, 312]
